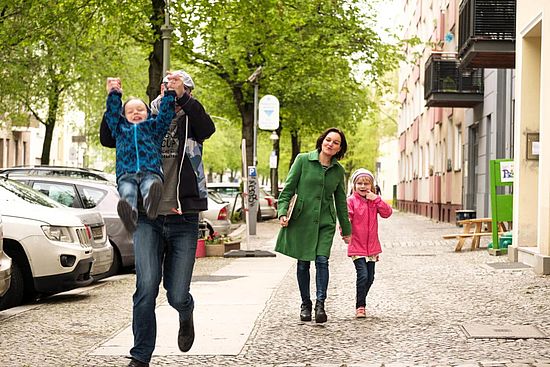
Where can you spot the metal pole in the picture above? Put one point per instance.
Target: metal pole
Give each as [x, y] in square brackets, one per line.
[254, 153]
[166, 30]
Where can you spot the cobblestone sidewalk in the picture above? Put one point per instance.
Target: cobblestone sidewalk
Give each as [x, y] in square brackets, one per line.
[422, 295]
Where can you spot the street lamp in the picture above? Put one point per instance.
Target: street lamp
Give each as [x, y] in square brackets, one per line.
[273, 163]
[166, 30]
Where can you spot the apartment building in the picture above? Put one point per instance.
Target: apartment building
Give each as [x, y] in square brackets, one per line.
[457, 104]
[531, 196]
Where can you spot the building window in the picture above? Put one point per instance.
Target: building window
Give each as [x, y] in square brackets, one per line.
[457, 158]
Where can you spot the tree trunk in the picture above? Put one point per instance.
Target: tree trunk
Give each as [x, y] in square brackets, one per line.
[275, 178]
[246, 110]
[155, 57]
[248, 133]
[295, 140]
[53, 106]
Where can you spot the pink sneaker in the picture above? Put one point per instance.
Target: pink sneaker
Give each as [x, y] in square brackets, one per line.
[360, 313]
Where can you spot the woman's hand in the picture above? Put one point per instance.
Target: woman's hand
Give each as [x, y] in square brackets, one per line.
[283, 221]
[346, 239]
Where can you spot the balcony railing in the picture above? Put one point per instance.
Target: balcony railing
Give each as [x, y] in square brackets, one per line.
[445, 85]
[487, 33]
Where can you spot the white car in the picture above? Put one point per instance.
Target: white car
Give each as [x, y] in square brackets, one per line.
[90, 195]
[5, 265]
[231, 192]
[217, 215]
[51, 249]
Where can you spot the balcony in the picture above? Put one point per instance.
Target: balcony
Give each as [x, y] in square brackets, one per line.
[445, 85]
[487, 34]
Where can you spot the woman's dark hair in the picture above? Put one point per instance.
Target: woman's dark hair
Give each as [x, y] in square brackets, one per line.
[343, 143]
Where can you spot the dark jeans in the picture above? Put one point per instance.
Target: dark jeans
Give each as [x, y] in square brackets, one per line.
[365, 278]
[164, 249]
[321, 279]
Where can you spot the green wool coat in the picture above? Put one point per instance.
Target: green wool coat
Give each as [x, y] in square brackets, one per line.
[312, 224]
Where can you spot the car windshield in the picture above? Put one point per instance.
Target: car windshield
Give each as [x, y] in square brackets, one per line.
[14, 191]
[227, 191]
[215, 197]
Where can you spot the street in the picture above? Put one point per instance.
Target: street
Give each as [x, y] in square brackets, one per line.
[426, 303]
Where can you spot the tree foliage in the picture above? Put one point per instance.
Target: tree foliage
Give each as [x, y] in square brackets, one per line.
[307, 51]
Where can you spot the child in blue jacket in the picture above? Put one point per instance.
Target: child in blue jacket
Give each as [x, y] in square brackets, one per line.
[139, 137]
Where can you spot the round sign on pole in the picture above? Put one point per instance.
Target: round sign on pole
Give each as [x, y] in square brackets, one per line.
[268, 116]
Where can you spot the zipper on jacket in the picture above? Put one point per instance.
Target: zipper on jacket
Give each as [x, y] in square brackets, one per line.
[136, 147]
[181, 164]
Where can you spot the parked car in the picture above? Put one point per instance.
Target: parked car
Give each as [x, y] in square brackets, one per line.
[5, 264]
[231, 192]
[103, 250]
[217, 215]
[95, 195]
[51, 249]
[76, 172]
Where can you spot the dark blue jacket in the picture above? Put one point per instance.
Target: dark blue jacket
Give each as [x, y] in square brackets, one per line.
[138, 146]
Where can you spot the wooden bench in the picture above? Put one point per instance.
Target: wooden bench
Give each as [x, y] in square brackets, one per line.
[474, 229]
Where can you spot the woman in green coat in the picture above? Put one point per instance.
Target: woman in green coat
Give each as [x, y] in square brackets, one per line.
[317, 180]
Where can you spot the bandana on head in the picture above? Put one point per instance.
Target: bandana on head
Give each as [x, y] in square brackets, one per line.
[185, 78]
[362, 172]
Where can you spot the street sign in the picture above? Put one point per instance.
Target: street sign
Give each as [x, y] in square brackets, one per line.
[268, 117]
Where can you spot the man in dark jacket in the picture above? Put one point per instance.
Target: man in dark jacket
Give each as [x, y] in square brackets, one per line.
[165, 247]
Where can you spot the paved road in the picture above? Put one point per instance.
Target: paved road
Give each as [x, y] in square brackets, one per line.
[424, 298]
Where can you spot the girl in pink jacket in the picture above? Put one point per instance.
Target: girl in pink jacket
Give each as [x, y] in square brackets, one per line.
[364, 247]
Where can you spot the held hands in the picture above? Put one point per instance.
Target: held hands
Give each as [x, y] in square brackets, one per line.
[346, 239]
[114, 84]
[283, 221]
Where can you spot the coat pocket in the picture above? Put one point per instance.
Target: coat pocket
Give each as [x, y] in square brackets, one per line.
[298, 206]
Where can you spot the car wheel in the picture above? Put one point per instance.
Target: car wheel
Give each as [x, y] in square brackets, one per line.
[14, 295]
[117, 262]
[210, 230]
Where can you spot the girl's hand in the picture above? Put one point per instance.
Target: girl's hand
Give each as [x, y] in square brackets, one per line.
[371, 195]
[346, 239]
[283, 221]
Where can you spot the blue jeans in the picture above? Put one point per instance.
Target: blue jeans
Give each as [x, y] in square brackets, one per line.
[365, 278]
[130, 184]
[164, 249]
[321, 279]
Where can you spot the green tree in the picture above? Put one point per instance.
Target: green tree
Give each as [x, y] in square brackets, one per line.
[307, 50]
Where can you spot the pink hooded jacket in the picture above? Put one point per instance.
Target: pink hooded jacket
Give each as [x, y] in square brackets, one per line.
[363, 215]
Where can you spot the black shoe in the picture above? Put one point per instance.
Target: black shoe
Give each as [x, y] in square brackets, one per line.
[152, 201]
[127, 214]
[186, 335]
[320, 315]
[135, 363]
[305, 312]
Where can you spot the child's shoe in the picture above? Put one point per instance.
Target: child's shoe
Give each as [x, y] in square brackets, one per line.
[127, 214]
[360, 313]
[152, 200]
